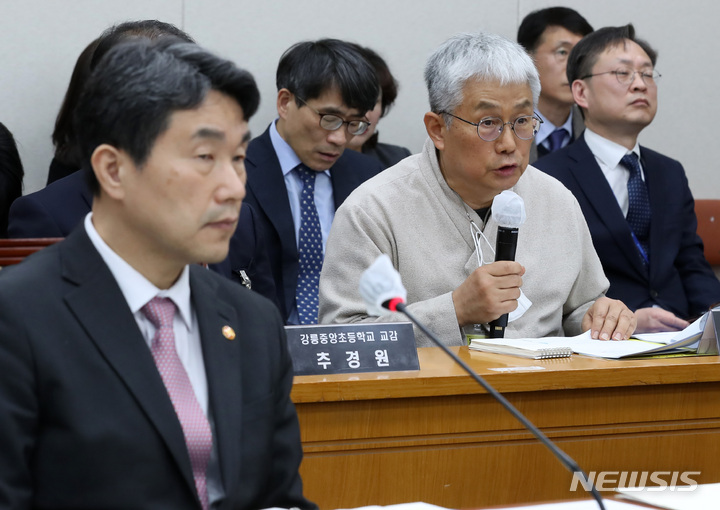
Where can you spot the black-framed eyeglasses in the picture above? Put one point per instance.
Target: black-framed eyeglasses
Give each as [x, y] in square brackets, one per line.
[332, 122]
[489, 129]
[626, 75]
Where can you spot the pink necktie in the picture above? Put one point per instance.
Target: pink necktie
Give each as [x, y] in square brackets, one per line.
[196, 428]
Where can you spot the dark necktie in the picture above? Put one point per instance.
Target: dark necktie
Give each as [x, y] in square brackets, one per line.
[194, 423]
[638, 216]
[556, 139]
[310, 250]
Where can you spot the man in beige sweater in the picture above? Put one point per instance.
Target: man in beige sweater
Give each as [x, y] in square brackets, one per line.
[431, 214]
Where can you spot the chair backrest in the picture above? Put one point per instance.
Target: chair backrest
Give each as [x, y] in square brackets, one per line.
[708, 216]
[13, 251]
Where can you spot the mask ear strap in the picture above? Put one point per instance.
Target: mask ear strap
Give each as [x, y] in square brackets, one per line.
[477, 237]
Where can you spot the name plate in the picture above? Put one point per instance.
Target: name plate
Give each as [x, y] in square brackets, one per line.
[350, 348]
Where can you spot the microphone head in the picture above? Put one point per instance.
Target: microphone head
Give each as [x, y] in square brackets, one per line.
[508, 209]
[380, 283]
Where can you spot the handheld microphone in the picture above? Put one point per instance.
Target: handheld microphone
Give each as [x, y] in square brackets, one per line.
[381, 288]
[508, 209]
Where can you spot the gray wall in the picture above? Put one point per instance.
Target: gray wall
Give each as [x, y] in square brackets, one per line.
[41, 40]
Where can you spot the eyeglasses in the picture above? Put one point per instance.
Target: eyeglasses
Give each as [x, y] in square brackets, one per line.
[625, 76]
[332, 122]
[490, 128]
[560, 54]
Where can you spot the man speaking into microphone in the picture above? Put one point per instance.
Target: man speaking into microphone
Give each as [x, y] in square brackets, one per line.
[432, 214]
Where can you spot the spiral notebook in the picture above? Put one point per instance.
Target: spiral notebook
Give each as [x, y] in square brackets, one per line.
[533, 349]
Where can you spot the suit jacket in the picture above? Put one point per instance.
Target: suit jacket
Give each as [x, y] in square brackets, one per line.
[85, 420]
[267, 193]
[57, 209]
[679, 278]
[578, 125]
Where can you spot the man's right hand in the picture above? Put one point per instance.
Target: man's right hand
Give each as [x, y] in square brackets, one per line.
[489, 292]
[655, 320]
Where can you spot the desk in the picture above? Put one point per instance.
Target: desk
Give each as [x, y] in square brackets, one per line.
[433, 435]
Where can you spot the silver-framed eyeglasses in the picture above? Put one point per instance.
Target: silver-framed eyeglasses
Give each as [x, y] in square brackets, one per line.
[332, 122]
[490, 128]
[626, 75]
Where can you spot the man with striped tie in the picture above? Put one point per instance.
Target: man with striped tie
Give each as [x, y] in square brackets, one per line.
[636, 201]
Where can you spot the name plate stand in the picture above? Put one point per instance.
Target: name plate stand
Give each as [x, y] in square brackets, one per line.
[711, 334]
[352, 348]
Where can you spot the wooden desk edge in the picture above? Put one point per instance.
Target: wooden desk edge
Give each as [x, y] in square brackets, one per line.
[438, 375]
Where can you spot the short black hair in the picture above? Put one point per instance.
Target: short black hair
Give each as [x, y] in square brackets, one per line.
[66, 150]
[150, 28]
[311, 68]
[533, 26]
[11, 167]
[585, 54]
[131, 94]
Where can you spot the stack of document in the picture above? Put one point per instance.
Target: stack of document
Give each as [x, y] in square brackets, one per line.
[698, 338]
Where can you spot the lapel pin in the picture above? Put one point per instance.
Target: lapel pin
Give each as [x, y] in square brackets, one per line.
[228, 332]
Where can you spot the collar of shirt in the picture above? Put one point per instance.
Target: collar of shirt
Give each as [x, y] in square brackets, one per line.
[608, 153]
[547, 127]
[137, 289]
[285, 154]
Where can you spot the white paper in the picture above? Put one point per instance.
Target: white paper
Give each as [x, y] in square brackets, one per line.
[693, 330]
[612, 349]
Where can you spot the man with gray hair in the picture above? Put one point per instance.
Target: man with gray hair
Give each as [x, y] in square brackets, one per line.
[431, 215]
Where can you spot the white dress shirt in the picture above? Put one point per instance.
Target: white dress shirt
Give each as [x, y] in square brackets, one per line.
[608, 155]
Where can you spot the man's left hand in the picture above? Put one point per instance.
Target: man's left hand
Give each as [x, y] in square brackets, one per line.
[609, 318]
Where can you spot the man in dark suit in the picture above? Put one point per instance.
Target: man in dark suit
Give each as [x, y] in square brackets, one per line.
[299, 171]
[131, 377]
[548, 35]
[636, 201]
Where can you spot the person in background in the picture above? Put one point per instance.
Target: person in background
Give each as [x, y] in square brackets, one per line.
[130, 376]
[637, 202]
[367, 143]
[58, 208]
[431, 214]
[67, 155]
[549, 35]
[11, 176]
[299, 171]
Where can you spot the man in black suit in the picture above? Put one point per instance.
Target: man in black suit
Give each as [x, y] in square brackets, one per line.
[636, 201]
[325, 89]
[548, 35]
[131, 377]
